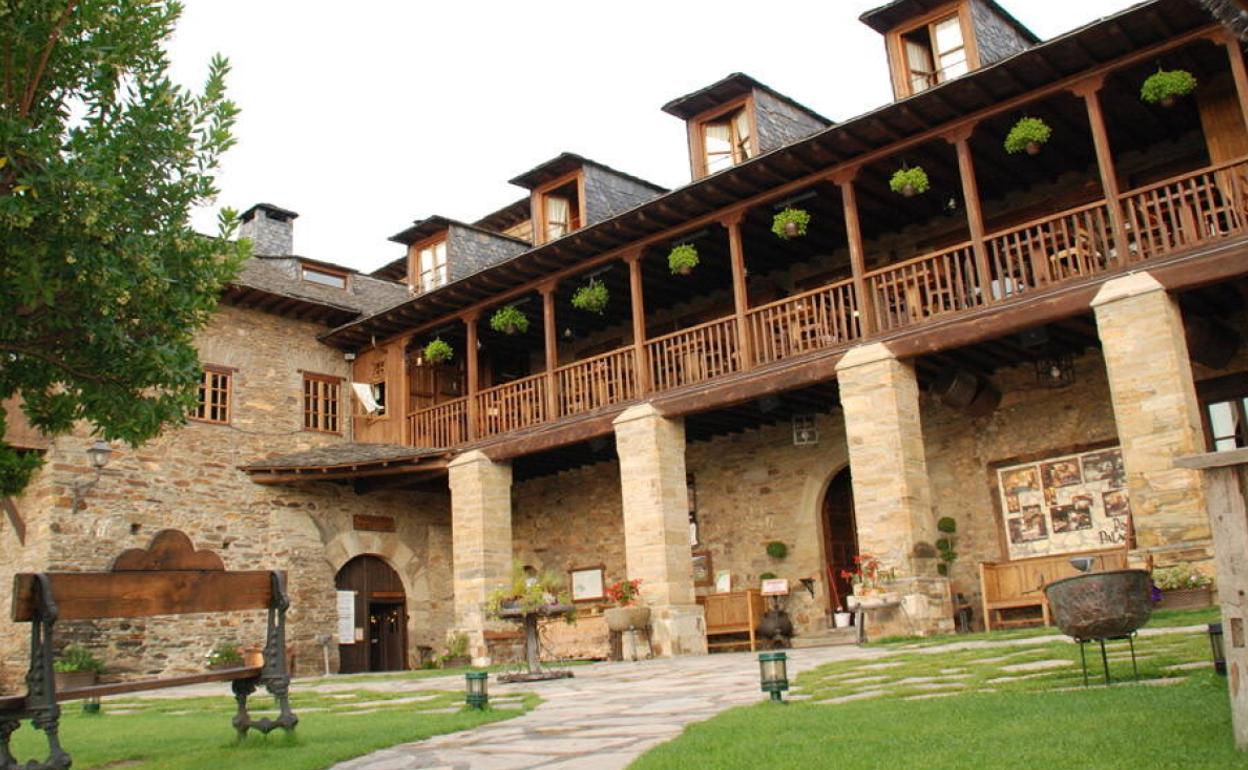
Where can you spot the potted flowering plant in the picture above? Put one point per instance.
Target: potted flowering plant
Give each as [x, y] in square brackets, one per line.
[909, 181]
[592, 297]
[76, 667]
[224, 655]
[790, 223]
[683, 258]
[627, 612]
[1182, 588]
[438, 351]
[509, 320]
[1165, 86]
[1028, 135]
[870, 583]
[528, 597]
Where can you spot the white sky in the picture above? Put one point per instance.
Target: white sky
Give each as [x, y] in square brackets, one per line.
[364, 116]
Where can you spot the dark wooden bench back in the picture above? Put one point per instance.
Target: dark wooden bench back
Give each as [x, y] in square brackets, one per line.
[169, 577]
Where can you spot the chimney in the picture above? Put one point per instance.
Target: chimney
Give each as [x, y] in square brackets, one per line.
[270, 229]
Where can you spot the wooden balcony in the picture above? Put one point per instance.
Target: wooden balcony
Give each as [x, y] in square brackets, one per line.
[1178, 214]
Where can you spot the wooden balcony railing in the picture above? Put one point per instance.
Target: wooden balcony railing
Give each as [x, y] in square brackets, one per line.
[512, 406]
[596, 382]
[693, 355]
[908, 292]
[444, 425]
[806, 322]
[1178, 213]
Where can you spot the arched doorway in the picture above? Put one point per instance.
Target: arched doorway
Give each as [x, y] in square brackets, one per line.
[380, 616]
[840, 535]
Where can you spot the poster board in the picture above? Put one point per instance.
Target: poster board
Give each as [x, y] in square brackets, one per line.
[1064, 503]
[587, 584]
[346, 617]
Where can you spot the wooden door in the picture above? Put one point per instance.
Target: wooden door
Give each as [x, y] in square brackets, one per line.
[377, 588]
[840, 536]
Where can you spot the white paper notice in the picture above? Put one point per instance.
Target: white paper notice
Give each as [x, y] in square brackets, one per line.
[346, 617]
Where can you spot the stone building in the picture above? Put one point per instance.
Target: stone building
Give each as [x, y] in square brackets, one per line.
[1021, 348]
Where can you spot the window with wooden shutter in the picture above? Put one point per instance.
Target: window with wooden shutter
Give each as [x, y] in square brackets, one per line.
[322, 397]
[215, 396]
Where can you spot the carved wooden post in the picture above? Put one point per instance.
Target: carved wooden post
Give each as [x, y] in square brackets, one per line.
[1090, 90]
[961, 139]
[857, 261]
[551, 330]
[741, 301]
[638, 305]
[1238, 71]
[470, 361]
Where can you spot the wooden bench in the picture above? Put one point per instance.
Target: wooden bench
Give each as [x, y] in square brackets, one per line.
[735, 613]
[1020, 584]
[168, 578]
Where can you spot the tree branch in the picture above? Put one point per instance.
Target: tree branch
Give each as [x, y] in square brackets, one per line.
[37, 76]
[57, 363]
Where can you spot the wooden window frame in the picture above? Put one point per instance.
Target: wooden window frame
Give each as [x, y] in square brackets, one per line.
[697, 131]
[415, 274]
[319, 413]
[538, 203]
[1231, 387]
[209, 371]
[897, 65]
[345, 275]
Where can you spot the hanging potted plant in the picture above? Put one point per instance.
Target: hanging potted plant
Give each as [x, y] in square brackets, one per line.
[509, 320]
[790, 223]
[437, 351]
[1165, 86]
[909, 181]
[592, 297]
[682, 259]
[1028, 135]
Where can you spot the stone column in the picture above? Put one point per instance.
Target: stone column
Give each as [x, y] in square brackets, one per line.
[892, 497]
[1157, 414]
[480, 541]
[656, 527]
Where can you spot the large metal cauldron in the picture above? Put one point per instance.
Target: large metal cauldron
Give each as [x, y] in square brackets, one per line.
[1099, 605]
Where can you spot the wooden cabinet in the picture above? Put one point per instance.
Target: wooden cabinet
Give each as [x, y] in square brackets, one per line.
[734, 613]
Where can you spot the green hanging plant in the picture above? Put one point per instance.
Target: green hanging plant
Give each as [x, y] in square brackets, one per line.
[909, 181]
[509, 320]
[437, 351]
[790, 223]
[1028, 135]
[777, 549]
[592, 297]
[1164, 86]
[683, 258]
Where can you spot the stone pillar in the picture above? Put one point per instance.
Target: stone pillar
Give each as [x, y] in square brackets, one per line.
[480, 541]
[656, 527]
[892, 497]
[1157, 414]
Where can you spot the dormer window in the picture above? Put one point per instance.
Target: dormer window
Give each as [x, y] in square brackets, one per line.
[934, 53]
[727, 140]
[322, 276]
[559, 207]
[429, 269]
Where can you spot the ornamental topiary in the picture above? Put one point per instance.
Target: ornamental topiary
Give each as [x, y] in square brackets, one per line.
[777, 549]
[909, 181]
[790, 223]
[437, 351]
[1027, 135]
[683, 258]
[592, 297]
[1164, 86]
[509, 320]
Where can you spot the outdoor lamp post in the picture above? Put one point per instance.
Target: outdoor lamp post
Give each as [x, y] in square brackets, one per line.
[773, 672]
[98, 454]
[478, 689]
[1215, 646]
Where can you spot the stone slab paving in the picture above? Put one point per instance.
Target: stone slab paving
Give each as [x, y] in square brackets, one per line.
[602, 719]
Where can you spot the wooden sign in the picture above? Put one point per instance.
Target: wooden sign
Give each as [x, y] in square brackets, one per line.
[365, 523]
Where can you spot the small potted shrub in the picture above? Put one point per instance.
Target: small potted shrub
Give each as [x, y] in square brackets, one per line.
[1182, 588]
[767, 576]
[944, 545]
[438, 352]
[682, 259]
[592, 297]
[1028, 135]
[777, 549]
[509, 320]
[790, 223]
[456, 655]
[224, 655]
[909, 181]
[628, 612]
[1165, 86]
[76, 667]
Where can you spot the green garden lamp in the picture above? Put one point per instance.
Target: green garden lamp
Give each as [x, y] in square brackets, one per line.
[1216, 648]
[478, 689]
[773, 673]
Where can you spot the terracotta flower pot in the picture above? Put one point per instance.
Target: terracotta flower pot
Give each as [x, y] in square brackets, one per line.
[1167, 101]
[790, 229]
[622, 619]
[685, 270]
[68, 680]
[1033, 148]
[253, 657]
[908, 191]
[1185, 599]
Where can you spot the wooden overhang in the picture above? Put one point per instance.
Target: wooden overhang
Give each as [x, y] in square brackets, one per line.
[338, 462]
[1046, 69]
[507, 217]
[725, 90]
[888, 17]
[565, 163]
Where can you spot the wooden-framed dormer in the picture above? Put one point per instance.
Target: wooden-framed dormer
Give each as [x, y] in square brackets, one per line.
[323, 274]
[558, 207]
[427, 265]
[723, 136]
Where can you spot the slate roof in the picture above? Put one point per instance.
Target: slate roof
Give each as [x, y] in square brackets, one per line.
[724, 89]
[889, 15]
[341, 456]
[279, 277]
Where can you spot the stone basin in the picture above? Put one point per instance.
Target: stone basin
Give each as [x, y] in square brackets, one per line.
[867, 602]
[1099, 605]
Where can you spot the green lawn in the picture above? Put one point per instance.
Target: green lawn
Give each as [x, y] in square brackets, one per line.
[1010, 706]
[195, 733]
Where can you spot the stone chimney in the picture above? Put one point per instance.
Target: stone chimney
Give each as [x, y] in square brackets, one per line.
[270, 229]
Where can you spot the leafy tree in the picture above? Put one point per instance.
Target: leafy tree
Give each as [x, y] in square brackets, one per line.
[102, 159]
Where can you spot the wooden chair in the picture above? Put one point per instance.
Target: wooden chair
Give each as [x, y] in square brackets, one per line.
[169, 577]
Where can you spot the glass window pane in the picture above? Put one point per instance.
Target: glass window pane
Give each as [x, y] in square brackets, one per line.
[741, 122]
[952, 65]
[1223, 422]
[948, 34]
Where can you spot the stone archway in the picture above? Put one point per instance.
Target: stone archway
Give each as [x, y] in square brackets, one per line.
[380, 639]
[346, 546]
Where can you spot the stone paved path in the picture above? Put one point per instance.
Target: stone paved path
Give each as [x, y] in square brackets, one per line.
[604, 718]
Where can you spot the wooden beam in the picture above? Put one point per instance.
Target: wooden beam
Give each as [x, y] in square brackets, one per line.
[94, 595]
[857, 259]
[473, 373]
[961, 139]
[638, 306]
[550, 331]
[1090, 90]
[740, 295]
[1236, 55]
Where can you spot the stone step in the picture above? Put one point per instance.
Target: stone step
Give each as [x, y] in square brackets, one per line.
[826, 638]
